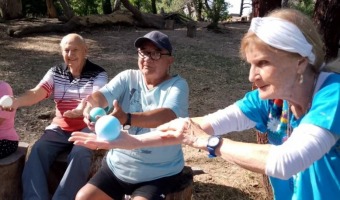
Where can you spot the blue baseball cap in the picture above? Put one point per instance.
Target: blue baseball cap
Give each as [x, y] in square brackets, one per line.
[157, 38]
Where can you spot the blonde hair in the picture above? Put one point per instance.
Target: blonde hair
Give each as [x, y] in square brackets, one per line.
[305, 25]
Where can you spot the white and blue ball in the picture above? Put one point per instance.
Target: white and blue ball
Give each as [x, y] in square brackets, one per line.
[107, 128]
[97, 111]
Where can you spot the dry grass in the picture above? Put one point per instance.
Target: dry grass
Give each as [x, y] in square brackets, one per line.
[209, 62]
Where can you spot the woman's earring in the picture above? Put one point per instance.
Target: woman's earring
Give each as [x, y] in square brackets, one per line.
[301, 79]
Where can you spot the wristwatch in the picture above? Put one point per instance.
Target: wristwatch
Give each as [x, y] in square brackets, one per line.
[127, 124]
[213, 143]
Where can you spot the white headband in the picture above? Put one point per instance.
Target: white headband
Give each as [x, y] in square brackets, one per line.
[283, 35]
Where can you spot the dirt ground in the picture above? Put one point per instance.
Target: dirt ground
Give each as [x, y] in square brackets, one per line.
[209, 62]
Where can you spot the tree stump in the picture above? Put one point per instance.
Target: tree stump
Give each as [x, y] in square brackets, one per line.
[11, 169]
[191, 29]
[60, 164]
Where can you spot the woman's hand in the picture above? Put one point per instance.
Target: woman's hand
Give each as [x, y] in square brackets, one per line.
[186, 131]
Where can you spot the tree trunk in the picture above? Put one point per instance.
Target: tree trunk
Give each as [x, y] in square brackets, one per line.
[68, 12]
[107, 7]
[241, 8]
[136, 13]
[145, 20]
[285, 4]
[198, 9]
[188, 5]
[262, 7]
[10, 9]
[153, 6]
[51, 11]
[116, 5]
[327, 18]
[85, 22]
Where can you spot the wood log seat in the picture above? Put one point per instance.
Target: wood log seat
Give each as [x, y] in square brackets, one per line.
[11, 169]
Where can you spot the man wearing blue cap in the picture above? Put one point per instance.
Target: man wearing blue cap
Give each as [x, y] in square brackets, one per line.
[142, 100]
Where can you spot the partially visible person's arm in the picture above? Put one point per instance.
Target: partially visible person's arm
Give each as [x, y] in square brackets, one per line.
[224, 121]
[30, 97]
[37, 94]
[307, 144]
[174, 104]
[152, 118]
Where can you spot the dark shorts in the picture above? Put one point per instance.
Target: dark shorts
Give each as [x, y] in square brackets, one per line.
[157, 189]
[7, 147]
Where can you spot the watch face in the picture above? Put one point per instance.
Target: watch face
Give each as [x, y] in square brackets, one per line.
[213, 141]
[126, 127]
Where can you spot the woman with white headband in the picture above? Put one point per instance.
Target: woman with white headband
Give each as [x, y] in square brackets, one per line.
[296, 104]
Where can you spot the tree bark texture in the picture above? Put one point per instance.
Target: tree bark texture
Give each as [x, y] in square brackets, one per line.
[51, 11]
[262, 7]
[116, 5]
[153, 6]
[11, 169]
[85, 22]
[68, 12]
[327, 18]
[10, 9]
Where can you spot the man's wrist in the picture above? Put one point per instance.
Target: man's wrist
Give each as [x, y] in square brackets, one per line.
[127, 123]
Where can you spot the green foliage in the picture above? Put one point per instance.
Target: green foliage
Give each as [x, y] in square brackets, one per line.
[218, 11]
[170, 6]
[142, 5]
[305, 6]
[86, 7]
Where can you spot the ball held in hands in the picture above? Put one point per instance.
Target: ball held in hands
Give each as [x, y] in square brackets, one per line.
[6, 101]
[107, 128]
[97, 111]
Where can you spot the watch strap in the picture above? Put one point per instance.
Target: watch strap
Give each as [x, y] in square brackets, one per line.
[128, 121]
[211, 152]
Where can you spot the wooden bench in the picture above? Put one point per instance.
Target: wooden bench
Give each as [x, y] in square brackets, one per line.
[11, 169]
